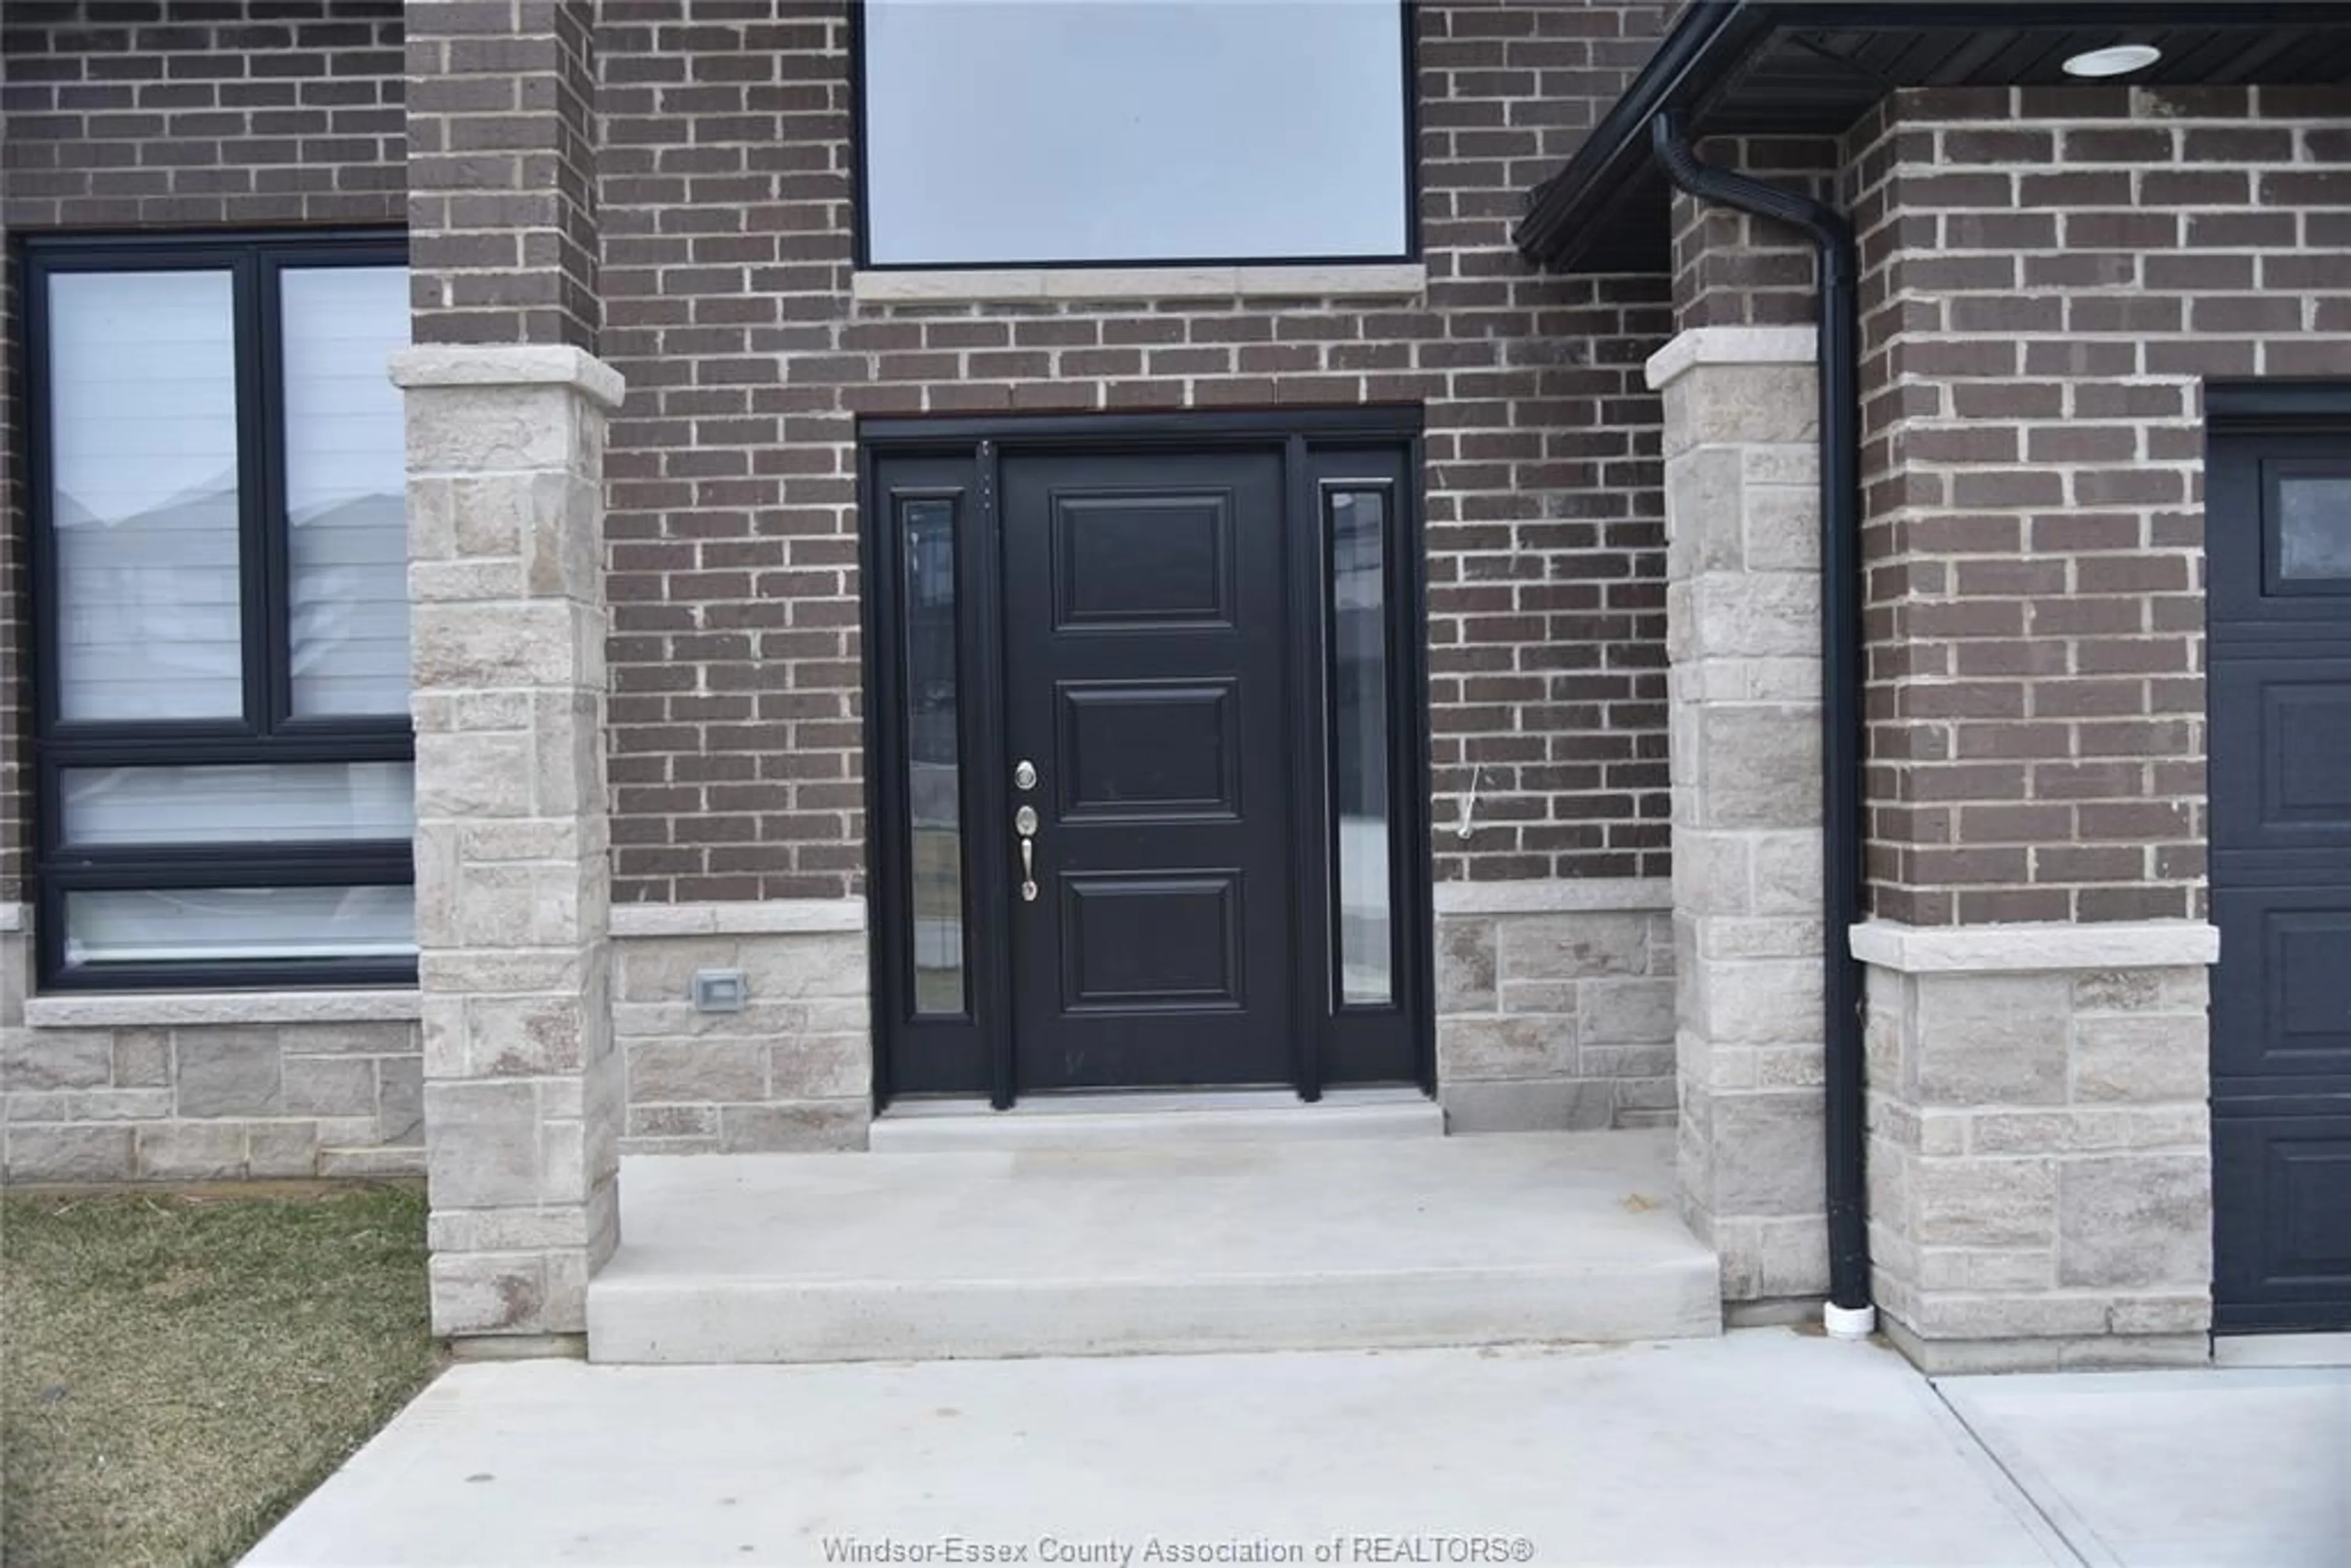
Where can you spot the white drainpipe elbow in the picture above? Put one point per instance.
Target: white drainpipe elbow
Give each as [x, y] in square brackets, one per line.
[1848, 1322]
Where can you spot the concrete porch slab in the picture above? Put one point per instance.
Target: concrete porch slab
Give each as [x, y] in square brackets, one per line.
[1131, 1120]
[1171, 1247]
[1763, 1446]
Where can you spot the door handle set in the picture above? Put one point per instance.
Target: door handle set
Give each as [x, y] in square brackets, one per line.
[1024, 825]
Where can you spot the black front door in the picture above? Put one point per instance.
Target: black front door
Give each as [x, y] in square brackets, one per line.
[1177, 661]
[2279, 541]
[1144, 635]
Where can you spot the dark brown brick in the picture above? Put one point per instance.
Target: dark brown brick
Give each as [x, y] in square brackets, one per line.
[2091, 620]
[686, 106]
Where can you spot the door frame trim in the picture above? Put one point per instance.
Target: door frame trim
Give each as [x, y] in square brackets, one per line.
[983, 441]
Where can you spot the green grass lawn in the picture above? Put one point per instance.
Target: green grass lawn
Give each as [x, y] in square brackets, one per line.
[178, 1369]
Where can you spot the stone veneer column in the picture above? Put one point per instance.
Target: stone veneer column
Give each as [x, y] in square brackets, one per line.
[1742, 607]
[2040, 1148]
[523, 1089]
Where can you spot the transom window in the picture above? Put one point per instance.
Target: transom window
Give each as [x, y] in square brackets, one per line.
[1003, 132]
[225, 783]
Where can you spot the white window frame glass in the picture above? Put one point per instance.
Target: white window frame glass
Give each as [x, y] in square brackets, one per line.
[1151, 183]
[339, 843]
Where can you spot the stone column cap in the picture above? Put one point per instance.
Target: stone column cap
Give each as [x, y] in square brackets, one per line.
[509, 365]
[1730, 345]
[2026, 948]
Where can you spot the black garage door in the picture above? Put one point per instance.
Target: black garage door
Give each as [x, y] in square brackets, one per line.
[2278, 540]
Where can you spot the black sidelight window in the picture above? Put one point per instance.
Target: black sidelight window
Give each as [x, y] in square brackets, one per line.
[224, 790]
[1361, 757]
[1003, 132]
[934, 750]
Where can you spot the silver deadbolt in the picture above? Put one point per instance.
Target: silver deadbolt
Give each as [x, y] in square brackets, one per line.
[1024, 775]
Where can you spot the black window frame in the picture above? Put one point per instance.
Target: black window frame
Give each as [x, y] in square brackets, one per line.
[267, 731]
[861, 181]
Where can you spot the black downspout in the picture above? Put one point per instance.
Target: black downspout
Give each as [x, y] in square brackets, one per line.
[1841, 673]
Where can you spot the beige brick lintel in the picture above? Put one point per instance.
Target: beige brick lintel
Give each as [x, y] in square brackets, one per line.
[2027, 948]
[780, 917]
[1554, 895]
[1393, 280]
[1730, 346]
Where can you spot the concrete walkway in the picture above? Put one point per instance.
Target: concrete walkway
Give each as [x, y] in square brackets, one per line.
[1767, 1446]
[2239, 1468]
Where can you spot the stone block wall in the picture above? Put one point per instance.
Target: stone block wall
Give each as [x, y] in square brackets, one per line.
[792, 1071]
[189, 1087]
[2040, 1146]
[1554, 1006]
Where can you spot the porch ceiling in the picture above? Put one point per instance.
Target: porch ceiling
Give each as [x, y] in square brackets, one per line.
[1763, 67]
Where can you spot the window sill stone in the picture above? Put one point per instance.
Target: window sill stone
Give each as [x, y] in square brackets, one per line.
[967, 286]
[134, 1009]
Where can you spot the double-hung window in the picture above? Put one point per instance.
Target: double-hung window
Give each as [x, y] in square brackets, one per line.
[223, 752]
[1122, 132]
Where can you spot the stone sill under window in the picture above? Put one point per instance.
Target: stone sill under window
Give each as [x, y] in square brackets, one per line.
[1043, 285]
[139, 1009]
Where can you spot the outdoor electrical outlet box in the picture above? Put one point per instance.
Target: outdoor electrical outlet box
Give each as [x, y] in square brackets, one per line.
[719, 990]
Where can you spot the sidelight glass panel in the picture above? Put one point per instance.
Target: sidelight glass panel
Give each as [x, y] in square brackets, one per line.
[2314, 527]
[934, 783]
[222, 803]
[346, 547]
[1007, 132]
[217, 925]
[143, 466]
[1357, 524]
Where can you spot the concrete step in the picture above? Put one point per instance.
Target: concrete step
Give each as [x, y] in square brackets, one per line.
[1333, 1243]
[1111, 1122]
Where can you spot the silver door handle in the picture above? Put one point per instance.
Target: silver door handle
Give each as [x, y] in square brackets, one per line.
[1024, 823]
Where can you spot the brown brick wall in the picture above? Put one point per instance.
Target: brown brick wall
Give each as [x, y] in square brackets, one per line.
[174, 114]
[1733, 269]
[2050, 275]
[501, 171]
[724, 202]
[182, 114]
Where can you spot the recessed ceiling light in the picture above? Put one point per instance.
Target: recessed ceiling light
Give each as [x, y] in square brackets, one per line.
[2120, 60]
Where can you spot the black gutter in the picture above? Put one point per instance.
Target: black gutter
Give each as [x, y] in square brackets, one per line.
[1839, 349]
[1700, 66]
[1569, 210]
